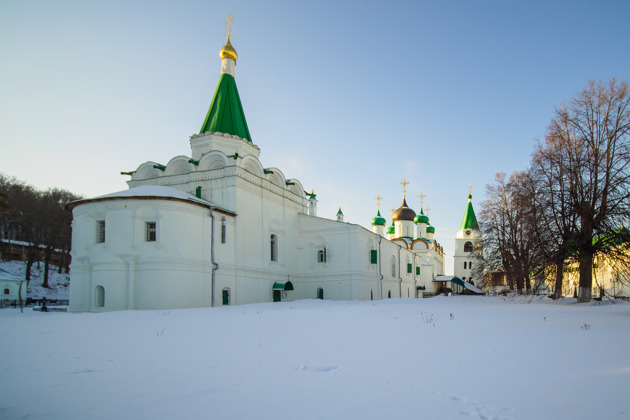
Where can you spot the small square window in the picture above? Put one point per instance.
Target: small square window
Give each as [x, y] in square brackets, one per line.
[100, 231]
[150, 229]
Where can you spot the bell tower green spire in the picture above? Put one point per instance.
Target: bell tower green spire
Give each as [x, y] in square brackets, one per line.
[470, 220]
[226, 114]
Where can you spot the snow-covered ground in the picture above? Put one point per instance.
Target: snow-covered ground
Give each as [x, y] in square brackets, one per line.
[440, 358]
[59, 283]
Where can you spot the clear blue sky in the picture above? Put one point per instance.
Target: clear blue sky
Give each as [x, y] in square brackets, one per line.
[347, 97]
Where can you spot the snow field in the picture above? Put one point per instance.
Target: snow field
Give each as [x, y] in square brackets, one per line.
[440, 358]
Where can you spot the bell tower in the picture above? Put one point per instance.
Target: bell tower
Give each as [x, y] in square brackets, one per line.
[467, 243]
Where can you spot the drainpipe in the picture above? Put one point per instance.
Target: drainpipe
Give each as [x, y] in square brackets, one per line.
[380, 269]
[399, 274]
[215, 266]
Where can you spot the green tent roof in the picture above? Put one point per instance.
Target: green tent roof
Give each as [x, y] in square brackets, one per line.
[226, 112]
[470, 220]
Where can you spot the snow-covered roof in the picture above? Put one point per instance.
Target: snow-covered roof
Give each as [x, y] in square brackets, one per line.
[5, 275]
[154, 191]
[147, 191]
[446, 278]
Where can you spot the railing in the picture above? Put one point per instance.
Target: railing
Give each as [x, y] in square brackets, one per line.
[50, 303]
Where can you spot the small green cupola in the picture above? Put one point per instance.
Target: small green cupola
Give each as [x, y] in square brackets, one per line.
[421, 218]
[391, 230]
[340, 215]
[226, 114]
[470, 220]
[430, 229]
[378, 220]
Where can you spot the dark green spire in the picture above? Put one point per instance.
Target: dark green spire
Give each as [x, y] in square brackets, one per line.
[470, 220]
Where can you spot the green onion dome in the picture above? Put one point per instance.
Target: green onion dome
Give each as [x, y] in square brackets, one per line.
[404, 213]
[430, 229]
[421, 218]
[391, 230]
[379, 220]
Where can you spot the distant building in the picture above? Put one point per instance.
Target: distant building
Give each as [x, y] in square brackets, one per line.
[467, 243]
[12, 288]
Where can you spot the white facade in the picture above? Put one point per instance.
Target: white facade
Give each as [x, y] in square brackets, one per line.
[218, 228]
[12, 288]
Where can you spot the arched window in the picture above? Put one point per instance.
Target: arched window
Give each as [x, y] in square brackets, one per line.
[99, 297]
[100, 231]
[150, 231]
[225, 295]
[274, 247]
[223, 230]
[393, 267]
[7, 291]
[371, 294]
[464, 265]
[320, 293]
[468, 247]
[389, 294]
[470, 265]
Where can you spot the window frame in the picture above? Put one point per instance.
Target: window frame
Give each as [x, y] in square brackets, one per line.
[273, 242]
[150, 231]
[100, 231]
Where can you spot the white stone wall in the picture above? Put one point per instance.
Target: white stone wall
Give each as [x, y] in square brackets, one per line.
[14, 289]
[460, 257]
[172, 272]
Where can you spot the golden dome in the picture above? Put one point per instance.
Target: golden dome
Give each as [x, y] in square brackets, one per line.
[228, 51]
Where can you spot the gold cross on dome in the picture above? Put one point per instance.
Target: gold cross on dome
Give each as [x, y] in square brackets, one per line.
[393, 210]
[228, 25]
[469, 189]
[378, 201]
[404, 184]
[421, 197]
[427, 209]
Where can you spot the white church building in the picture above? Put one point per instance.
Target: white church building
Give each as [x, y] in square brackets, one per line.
[220, 228]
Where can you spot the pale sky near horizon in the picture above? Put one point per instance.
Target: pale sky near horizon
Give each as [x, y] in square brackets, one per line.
[347, 97]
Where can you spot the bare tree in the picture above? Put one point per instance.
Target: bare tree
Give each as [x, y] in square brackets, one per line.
[507, 221]
[553, 195]
[593, 129]
[39, 219]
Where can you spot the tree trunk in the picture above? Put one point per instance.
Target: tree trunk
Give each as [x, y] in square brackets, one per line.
[586, 275]
[528, 285]
[47, 255]
[557, 294]
[519, 284]
[29, 264]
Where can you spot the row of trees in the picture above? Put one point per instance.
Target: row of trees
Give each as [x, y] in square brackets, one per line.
[573, 202]
[39, 218]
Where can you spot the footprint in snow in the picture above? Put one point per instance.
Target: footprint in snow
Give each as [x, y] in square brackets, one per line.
[314, 368]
